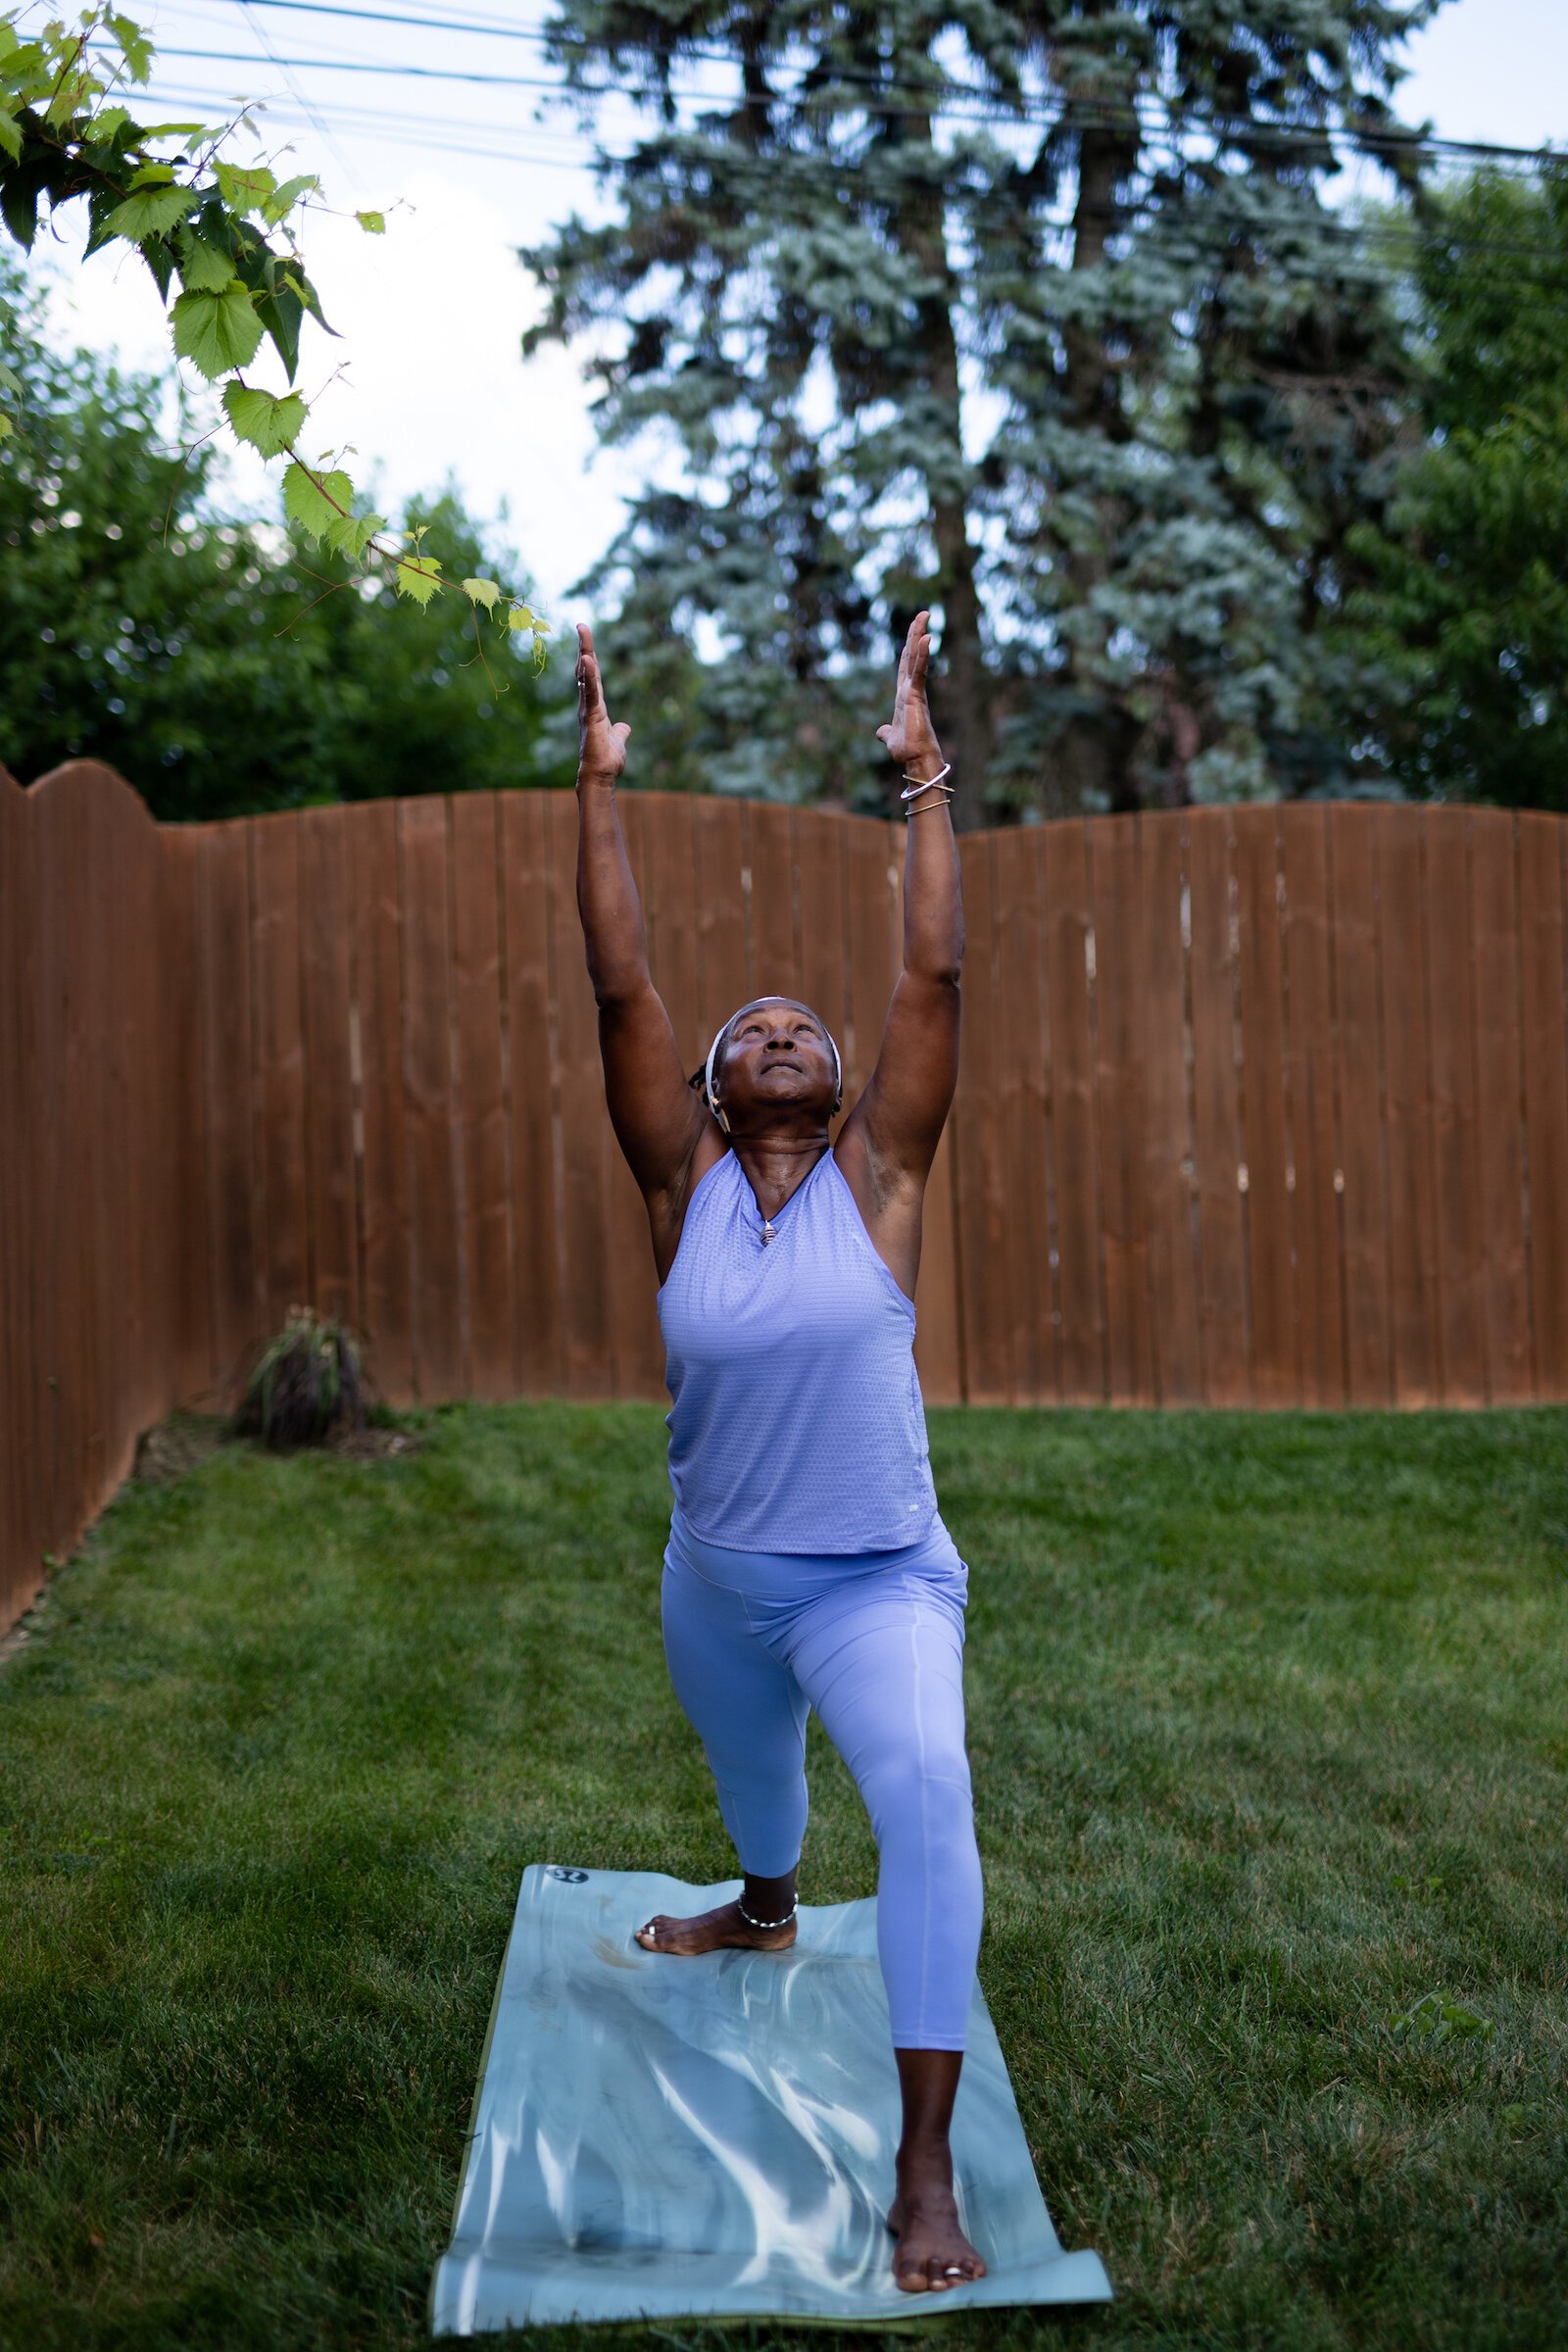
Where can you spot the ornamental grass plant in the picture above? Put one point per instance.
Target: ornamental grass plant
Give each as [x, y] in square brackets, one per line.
[306, 1383]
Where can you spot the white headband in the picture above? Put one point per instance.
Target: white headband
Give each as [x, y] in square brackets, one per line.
[707, 1074]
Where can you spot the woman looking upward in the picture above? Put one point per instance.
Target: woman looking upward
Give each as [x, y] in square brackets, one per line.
[807, 1565]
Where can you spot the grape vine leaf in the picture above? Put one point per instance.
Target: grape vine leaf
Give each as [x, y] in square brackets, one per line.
[267, 421]
[373, 223]
[350, 534]
[244, 187]
[418, 578]
[150, 213]
[277, 205]
[314, 503]
[203, 270]
[216, 331]
[105, 122]
[134, 46]
[482, 592]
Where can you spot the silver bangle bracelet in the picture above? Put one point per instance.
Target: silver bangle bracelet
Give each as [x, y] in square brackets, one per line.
[916, 785]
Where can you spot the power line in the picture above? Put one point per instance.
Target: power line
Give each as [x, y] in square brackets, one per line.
[414, 129]
[318, 124]
[883, 96]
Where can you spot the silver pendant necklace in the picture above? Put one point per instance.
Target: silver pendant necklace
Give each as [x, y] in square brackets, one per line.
[770, 1231]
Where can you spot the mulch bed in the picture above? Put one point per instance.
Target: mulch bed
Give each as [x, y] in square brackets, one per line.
[174, 1446]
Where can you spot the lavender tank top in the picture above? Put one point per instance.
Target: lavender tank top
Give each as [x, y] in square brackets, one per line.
[798, 1423]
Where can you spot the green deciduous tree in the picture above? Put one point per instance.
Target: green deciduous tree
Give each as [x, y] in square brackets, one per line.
[162, 653]
[220, 239]
[1031, 309]
[1464, 619]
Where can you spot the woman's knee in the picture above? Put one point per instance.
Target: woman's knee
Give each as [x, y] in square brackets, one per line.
[921, 1789]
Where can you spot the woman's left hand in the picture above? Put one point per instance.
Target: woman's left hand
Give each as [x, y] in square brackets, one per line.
[909, 736]
[601, 746]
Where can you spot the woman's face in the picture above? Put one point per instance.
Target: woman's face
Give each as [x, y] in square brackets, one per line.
[776, 1056]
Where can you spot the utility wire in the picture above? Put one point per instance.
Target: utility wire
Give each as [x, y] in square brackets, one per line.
[261, 34]
[883, 96]
[414, 129]
[1161, 144]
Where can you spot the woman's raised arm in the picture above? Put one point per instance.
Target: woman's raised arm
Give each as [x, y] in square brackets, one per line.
[657, 1119]
[909, 1093]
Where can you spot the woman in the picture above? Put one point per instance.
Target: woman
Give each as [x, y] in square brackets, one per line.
[808, 1564]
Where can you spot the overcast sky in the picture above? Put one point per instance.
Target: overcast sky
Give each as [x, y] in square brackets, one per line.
[430, 315]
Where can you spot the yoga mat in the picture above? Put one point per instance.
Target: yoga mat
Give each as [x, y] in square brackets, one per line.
[657, 2138]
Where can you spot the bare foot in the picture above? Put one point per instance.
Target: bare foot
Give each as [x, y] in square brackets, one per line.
[933, 2253]
[712, 1932]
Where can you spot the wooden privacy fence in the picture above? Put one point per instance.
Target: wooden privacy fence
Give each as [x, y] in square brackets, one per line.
[1263, 1105]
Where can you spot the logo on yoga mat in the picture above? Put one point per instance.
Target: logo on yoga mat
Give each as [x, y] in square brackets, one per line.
[574, 1878]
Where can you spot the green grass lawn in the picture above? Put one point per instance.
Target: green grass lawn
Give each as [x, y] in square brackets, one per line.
[1269, 1721]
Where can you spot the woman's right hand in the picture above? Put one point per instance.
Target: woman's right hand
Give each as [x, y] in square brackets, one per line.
[600, 747]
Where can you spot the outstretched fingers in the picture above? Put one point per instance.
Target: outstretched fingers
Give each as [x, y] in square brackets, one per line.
[590, 688]
[916, 655]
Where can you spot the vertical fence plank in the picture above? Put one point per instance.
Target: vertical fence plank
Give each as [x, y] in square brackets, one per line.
[536, 1134]
[439, 1286]
[1499, 1107]
[486, 1237]
[721, 966]
[938, 1354]
[1120, 1106]
[1309, 1093]
[776, 924]
[669, 864]
[980, 1144]
[870, 898]
[638, 1356]
[183, 1110]
[829, 955]
[92, 1053]
[589, 1352]
[232, 1247]
[59, 1269]
[1169, 1156]
[1544, 1028]
[284, 1263]
[126, 922]
[1216, 1116]
[1357, 1052]
[97, 1043]
[375, 927]
[24, 1512]
[1407, 1095]
[109, 881]
[1276, 1377]
[325, 1005]
[1457, 1232]
[1072, 1077]
[1018, 1081]
[819, 859]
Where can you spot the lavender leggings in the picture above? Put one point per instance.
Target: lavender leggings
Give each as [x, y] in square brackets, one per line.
[874, 1641]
